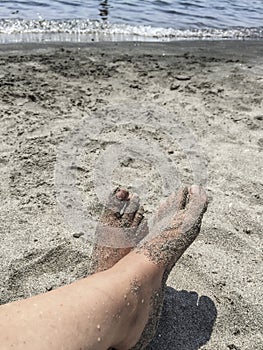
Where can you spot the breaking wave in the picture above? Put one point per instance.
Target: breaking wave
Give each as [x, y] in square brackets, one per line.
[79, 30]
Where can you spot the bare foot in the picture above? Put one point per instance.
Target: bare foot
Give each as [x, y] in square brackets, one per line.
[166, 248]
[120, 229]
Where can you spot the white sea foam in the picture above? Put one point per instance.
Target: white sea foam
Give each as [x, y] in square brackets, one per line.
[17, 30]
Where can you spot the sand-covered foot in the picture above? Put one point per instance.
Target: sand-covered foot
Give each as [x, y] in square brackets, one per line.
[165, 248]
[120, 228]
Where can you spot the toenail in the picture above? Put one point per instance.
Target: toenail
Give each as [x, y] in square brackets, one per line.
[122, 194]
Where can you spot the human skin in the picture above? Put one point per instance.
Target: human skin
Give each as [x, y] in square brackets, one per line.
[96, 312]
[108, 309]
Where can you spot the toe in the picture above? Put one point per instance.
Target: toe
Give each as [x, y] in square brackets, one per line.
[130, 210]
[175, 202]
[195, 208]
[117, 201]
[121, 193]
[141, 225]
[139, 215]
[197, 199]
[180, 199]
[141, 231]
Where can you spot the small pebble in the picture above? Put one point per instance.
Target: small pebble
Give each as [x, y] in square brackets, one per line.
[183, 77]
[77, 235]
[236, 331]
[247, 230]
[174, 86]
[233, 347]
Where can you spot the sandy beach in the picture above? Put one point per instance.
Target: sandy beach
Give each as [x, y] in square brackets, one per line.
[211, 90]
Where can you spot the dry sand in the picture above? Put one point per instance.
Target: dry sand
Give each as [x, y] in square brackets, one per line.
[214, 299]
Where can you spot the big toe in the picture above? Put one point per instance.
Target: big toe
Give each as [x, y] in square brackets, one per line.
[197, 199]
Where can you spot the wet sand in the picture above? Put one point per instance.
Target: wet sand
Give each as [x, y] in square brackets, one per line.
[214, 89]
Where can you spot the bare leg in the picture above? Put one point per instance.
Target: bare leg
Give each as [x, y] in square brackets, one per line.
[107, 309]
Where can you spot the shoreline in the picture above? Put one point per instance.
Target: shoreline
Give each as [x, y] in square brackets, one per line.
[214, 88]
[228, 45]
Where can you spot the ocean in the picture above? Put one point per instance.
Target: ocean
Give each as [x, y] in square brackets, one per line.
[86, 20]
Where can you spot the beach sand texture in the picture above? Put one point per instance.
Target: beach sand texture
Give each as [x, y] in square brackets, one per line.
[215, 89]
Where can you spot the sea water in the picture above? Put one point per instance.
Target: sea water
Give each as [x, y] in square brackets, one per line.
[90, 20]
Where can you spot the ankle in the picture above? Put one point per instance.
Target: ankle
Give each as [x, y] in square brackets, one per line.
[138, 268]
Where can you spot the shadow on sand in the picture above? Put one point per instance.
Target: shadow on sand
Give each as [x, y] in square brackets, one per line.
[187, 321]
